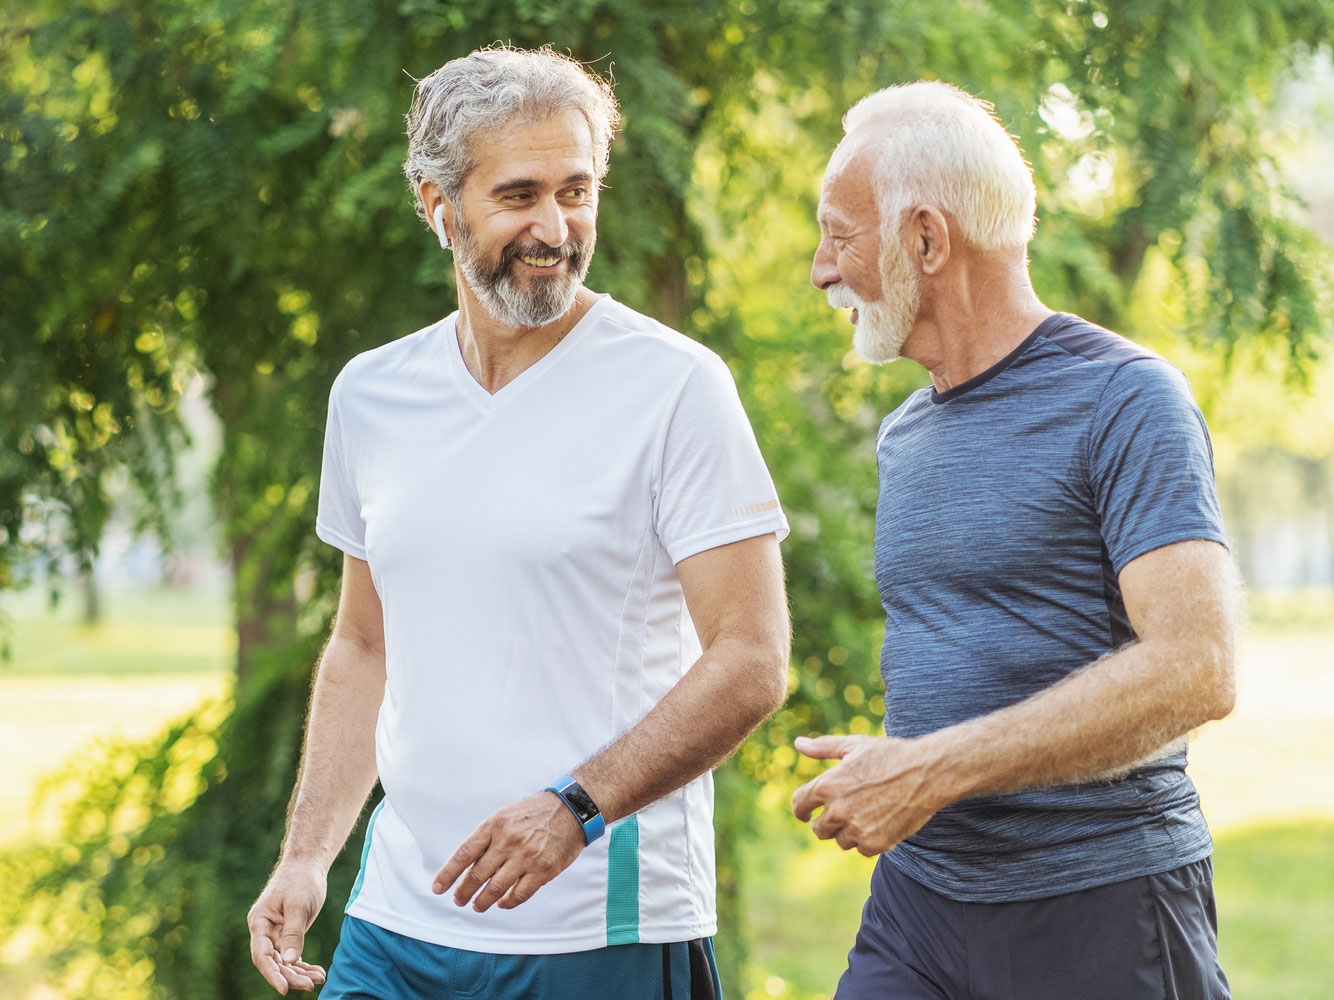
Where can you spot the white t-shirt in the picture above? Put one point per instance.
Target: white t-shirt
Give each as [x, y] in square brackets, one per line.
[523, 545]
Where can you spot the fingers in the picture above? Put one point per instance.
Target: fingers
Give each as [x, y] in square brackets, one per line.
[516, 851]
[482, 871]
[296, 978]
[501, 882]
[280, 972]
[264, 955]
[293, 934]
[523, 890]
[830, 824]
[826, 747]
[807, 799]
[468, 852]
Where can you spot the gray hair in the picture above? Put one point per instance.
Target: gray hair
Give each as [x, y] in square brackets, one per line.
[942, 146]
[491, 88]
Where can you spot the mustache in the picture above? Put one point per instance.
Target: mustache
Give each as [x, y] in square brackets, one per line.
[572, 250]
[842, 297]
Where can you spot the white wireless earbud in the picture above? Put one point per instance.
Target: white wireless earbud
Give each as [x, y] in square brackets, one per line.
[440, 226]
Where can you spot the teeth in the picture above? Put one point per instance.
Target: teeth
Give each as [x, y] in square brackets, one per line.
[540, 261]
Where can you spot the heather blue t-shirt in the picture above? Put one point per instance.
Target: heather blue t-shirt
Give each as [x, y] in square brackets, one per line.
[1008, 506]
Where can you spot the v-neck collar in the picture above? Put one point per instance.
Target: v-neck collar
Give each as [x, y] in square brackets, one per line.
[488, 401]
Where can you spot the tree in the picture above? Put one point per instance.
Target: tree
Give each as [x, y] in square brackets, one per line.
[214, 186]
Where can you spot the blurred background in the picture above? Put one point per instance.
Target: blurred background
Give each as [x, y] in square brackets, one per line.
[202, 218]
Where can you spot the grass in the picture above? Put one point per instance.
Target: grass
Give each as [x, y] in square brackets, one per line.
[1275, 888]
[161, 631]
[155, 655]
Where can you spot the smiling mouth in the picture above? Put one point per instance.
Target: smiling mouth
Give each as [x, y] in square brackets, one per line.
[542, 263]
[853, 317]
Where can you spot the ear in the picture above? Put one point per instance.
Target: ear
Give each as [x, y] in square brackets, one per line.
[930, 234]
[439, 212]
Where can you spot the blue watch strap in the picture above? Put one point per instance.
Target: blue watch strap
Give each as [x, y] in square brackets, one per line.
[581, 806]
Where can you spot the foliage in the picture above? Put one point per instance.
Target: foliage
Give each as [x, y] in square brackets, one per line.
[156, 862]
[214, 187]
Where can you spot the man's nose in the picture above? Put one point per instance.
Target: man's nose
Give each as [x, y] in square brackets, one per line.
[550, 226]
[824, 269]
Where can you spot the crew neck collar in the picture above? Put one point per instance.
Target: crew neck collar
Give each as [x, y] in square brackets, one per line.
[1041, 330]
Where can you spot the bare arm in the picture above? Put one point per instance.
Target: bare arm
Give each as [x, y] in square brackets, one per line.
[736, 598]
[1182, 603]
[336, 776]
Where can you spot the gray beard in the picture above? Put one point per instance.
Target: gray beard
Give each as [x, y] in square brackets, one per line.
[493, 282]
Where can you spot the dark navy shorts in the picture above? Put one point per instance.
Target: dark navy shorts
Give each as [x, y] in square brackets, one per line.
[1148, 938]
[372, 963]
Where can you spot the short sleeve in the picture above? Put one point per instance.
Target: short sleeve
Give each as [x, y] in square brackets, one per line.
[338, 520]
[714, 488]
[1151, 463]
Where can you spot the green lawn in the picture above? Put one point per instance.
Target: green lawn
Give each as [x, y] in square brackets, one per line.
[1275, 887]
[161, 631]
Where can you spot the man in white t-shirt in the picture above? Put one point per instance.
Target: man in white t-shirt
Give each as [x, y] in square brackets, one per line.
[562, 597]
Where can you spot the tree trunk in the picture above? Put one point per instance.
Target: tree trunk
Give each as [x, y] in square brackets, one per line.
[262, 617]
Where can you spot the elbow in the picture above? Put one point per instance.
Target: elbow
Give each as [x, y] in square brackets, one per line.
[1224, 700]
[1218, 696]
[777, 689]
[769, 689]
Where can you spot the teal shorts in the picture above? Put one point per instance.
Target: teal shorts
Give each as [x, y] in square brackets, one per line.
[372, 963]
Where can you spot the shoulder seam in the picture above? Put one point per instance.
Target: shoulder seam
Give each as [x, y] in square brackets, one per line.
[889, 424]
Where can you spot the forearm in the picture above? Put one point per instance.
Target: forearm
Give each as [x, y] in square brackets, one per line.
[1102, 719]
[338, 759]
[733, 687]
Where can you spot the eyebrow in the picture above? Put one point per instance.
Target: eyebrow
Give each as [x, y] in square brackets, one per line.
[527, 182]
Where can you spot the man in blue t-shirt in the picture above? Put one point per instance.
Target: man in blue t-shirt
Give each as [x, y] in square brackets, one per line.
[1059, 602]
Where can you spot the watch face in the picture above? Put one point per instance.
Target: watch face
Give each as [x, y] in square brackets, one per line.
[583, 805]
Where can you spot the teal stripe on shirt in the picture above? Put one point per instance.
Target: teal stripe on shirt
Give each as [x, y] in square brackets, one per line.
[365, 856]
[623, 883]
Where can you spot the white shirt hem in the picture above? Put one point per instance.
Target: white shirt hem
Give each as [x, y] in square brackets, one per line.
[528, 944]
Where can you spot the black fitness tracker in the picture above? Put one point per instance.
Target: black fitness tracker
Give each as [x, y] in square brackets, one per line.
[584, 808]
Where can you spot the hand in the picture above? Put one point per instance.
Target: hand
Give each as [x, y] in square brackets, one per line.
[516, 851]
[278, 923]
[879, 795]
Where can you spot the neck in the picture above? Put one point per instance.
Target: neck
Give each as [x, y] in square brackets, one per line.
[495, 354]
[975, 317]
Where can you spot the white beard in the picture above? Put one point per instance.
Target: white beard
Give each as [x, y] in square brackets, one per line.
[883, 325]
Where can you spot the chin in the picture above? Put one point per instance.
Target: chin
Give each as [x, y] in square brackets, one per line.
[876, 345]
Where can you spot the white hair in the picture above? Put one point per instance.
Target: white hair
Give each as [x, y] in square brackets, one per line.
[489, 89]
[939, 145]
